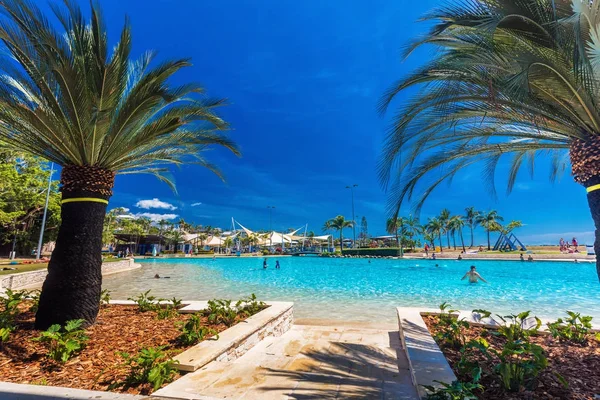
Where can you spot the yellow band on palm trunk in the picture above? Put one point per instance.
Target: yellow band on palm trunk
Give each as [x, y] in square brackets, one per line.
[84, 199]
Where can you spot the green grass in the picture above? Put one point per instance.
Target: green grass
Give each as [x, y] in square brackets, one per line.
[23, 268]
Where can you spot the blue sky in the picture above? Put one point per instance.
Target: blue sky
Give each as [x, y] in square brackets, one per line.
[303, 80]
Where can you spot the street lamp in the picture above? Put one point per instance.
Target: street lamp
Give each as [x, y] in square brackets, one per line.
[271, 208]
[39, 248]
[353, 219]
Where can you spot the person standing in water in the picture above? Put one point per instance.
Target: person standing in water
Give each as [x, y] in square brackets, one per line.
[277, 265]
[473, 276]
[265, 263]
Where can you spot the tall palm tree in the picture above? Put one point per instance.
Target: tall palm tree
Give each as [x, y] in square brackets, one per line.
[395, 226]
[489, 221]
[65, 98]
[412, 228]
[457, 223]
[512, 79]
[471, 219]
[338, 224]
[444, 220]
[434, 227]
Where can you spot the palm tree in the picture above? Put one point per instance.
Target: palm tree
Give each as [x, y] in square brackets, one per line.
[444, 220]
[456, 224]
[471, 220]
[66, 99]
[489, 220]
[395, 226]
[511, 79]
[412, 228]
[338, 224]
[174, 237]
[434, 227]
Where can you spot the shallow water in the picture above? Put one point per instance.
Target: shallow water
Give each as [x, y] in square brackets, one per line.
[356, 290]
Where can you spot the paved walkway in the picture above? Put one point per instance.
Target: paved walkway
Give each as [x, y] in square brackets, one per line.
[307, 362]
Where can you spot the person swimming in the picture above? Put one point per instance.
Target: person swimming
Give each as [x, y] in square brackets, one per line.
[473, 276]
[265, 263]
[277, 266]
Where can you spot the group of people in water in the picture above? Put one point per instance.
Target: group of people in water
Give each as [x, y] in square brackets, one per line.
[265, 265]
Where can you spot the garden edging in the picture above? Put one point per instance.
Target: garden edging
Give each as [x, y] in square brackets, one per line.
[24, 280]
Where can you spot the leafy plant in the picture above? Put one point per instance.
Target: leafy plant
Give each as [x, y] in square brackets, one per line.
[515, 327]
[468, 365]
[151, 365]
[164, 311]
[457, 390]
[574, 329]
[520, 364]
[10, 310]
[250, 305]
[193, 332]
[144, 302]
[105, 297]
[176, 303]
[64, 342]
[220, 311]
[450, 328]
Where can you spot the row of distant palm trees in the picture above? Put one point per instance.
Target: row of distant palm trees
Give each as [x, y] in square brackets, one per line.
[450, 225]
[436, 227]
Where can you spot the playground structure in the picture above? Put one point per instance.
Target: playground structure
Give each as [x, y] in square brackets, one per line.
[509, 243]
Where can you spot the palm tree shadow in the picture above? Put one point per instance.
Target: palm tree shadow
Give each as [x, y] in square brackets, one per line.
[344, 371]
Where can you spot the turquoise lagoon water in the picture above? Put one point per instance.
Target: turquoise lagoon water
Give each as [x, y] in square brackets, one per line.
[354, 289]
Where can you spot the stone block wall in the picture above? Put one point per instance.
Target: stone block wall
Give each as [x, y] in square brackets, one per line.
[36, 278]
[276, 327]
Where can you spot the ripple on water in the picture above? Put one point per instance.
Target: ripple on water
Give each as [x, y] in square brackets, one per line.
[354, 289]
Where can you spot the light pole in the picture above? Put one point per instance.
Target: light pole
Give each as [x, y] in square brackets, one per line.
[270, 208]
[39, 248]
[353, 220]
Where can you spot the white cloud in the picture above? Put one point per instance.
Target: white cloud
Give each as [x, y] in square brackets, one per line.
[154, 203]
[156, 217]
[196, 204]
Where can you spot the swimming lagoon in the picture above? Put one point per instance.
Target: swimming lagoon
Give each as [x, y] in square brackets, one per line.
[356, 290]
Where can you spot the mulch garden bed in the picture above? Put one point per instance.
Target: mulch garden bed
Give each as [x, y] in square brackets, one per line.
[119, 328]
[579, 365]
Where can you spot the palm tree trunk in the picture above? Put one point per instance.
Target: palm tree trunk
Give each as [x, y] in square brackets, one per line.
[472, 239]
[448, 237]
[441, 245]
[586, 171]
[454, 240]
[74, 281]
[397, 241]
[462, 240]
[488, 235]
[341, 242]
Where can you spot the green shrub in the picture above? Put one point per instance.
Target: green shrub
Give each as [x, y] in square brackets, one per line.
[455, 391]
[574, 329]
[468, 364]
[250, 306]
[10, 310]
[520, 364]
[520, 361]
[144, 302]
[193, 332]
[514, 327]
[151, 365]
[164, 311]
[64, 342]
[450, 328]
[105, 297]
[220, 311]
